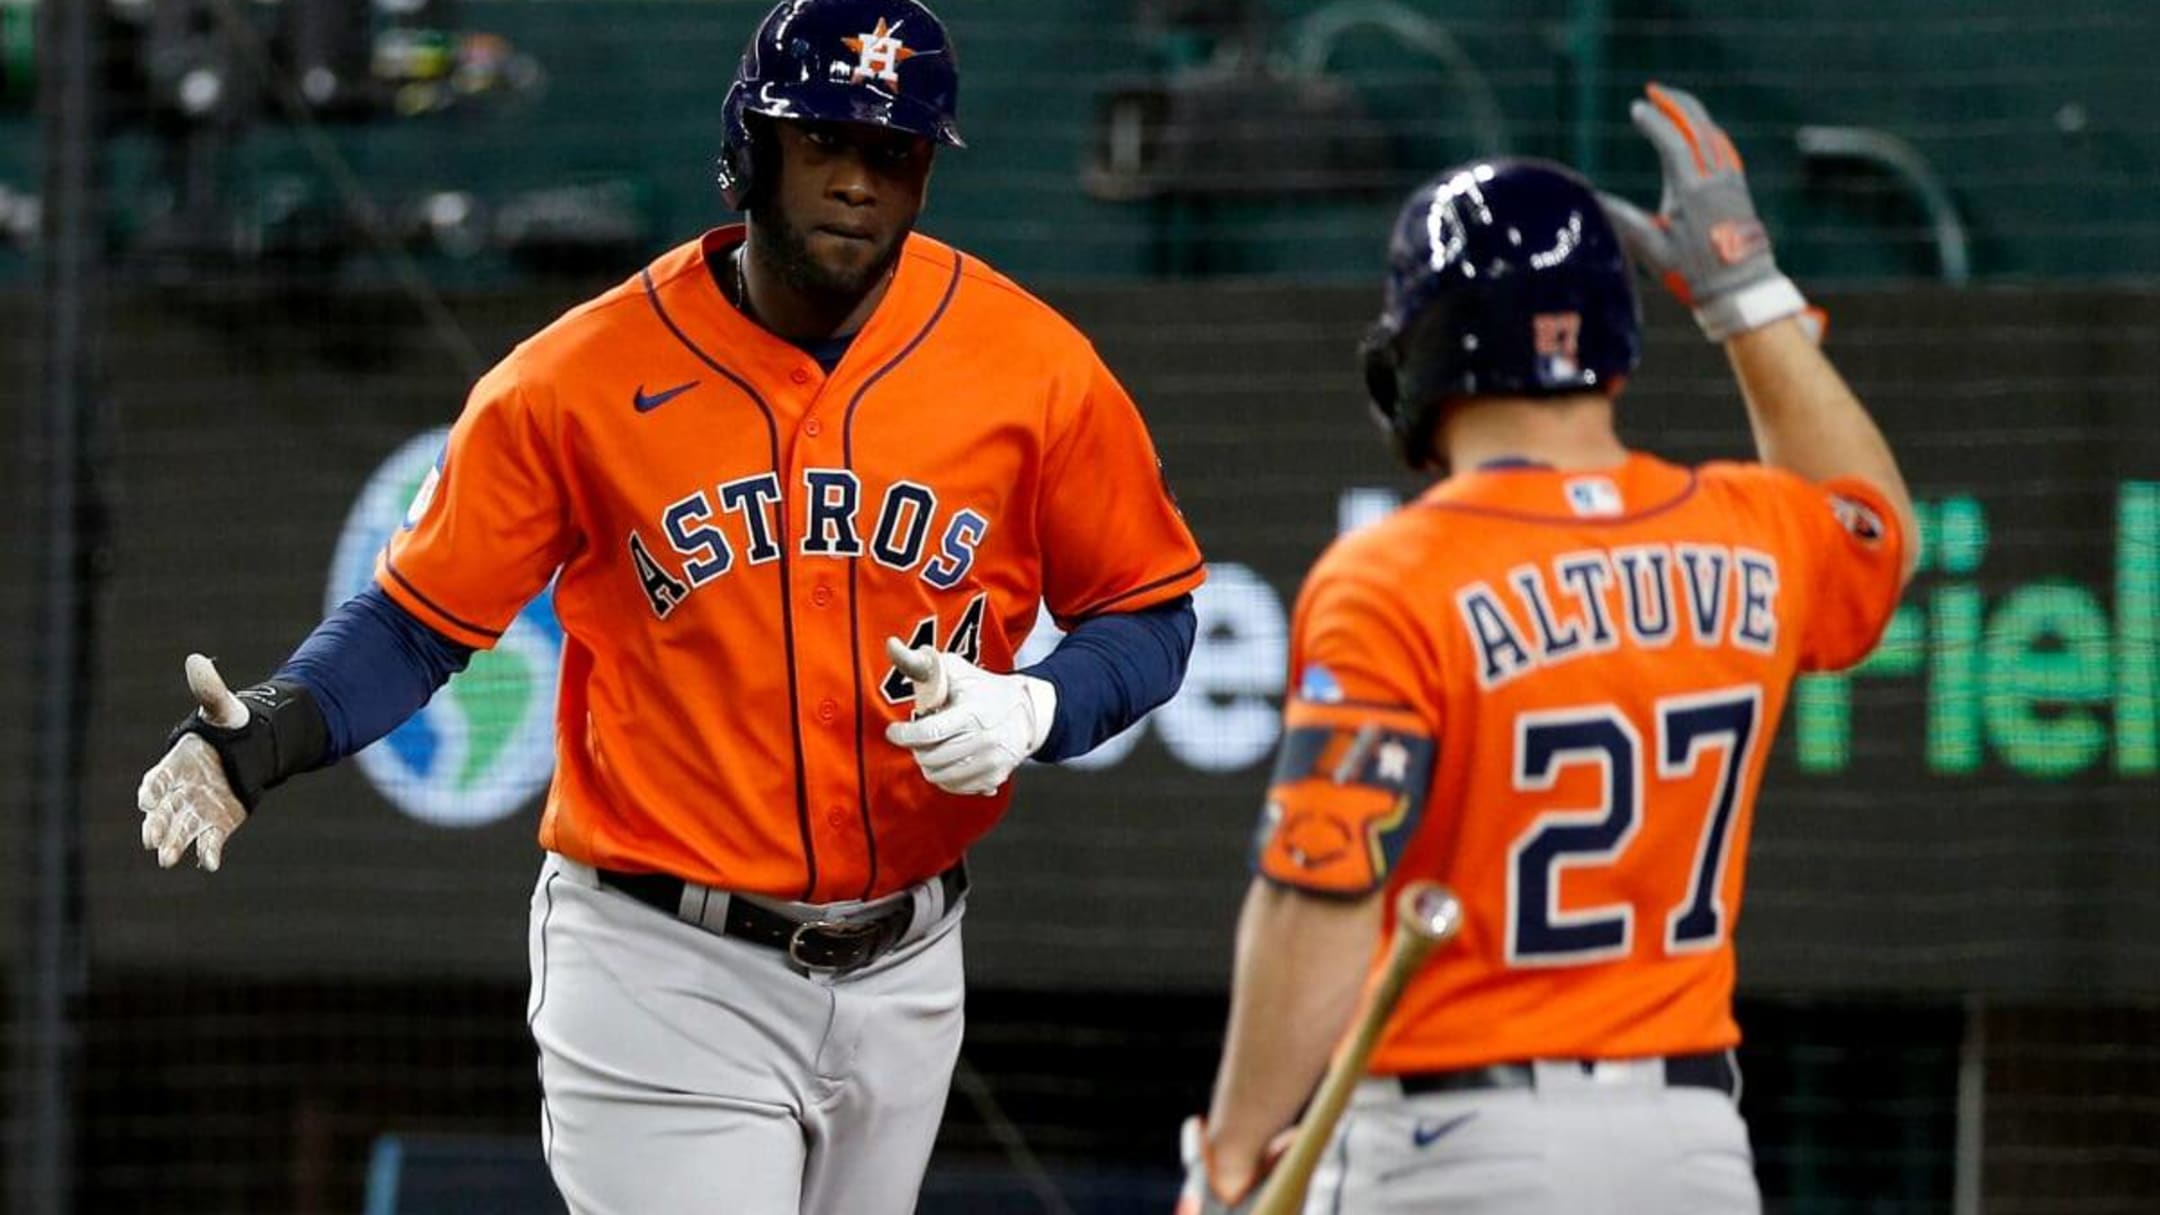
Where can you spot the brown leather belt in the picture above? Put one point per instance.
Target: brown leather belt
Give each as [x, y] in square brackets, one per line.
[824, 946]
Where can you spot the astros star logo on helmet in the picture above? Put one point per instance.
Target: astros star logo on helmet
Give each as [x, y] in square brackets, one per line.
[879, 54]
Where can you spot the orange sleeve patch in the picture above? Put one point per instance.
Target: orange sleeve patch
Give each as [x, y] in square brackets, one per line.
[1860, 568]
[1349, 789]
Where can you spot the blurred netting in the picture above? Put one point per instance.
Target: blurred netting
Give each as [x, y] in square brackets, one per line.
[321, 220]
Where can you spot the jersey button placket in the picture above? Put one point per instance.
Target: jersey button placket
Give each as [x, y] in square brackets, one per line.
[821, 595]
[828, 710]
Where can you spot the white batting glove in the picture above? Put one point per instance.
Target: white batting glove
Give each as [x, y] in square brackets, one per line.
[184, 798]
[978, 726]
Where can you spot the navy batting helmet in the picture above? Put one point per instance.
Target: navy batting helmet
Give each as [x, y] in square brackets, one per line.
[886, 63]
[1504, 279]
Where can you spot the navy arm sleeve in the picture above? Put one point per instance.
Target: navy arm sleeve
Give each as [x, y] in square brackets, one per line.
[370, 665]
[1110, 670]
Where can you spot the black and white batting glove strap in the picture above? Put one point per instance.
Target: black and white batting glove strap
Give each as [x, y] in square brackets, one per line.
[221, 758]
[976, 726]
[1705, 243]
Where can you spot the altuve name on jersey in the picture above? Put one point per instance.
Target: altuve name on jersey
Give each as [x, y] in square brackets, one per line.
[742, 521]
[1595, 600]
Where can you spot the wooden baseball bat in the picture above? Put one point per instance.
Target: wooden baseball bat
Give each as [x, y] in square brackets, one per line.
[1427, 915]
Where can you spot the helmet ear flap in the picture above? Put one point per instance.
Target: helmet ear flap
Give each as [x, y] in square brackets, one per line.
[747, 156]
[737, 168]
[1376, 356]
[1409, 425]
[736, 178]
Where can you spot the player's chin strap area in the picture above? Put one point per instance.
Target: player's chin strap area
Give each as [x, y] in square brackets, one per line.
[844, 939]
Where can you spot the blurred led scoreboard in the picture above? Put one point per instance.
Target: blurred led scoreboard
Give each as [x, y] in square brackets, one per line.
[1976, 808]
[2050, 677]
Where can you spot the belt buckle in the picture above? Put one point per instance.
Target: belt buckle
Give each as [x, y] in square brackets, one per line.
[848, 931]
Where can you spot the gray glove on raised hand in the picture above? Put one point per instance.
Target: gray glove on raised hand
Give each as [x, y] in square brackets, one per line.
[1705, 242]
[972, 727]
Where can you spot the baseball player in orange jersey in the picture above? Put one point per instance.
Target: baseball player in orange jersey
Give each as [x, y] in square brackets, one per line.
[799, 487]
[1551, 682]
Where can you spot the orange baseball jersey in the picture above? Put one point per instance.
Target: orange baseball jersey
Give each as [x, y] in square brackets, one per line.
[732, 533]
[1555, 692]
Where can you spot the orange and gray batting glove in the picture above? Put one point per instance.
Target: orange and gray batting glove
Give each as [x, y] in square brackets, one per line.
[1705, 243]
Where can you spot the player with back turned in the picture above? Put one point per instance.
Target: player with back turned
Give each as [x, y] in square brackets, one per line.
[800, 487]
[1551, 682]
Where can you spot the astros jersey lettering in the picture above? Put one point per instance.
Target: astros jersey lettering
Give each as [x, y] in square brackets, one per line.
[732, 534]
[1556, 692]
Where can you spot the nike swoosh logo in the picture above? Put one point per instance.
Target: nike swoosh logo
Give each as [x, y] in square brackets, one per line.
[646, 404]
[1426, 1134]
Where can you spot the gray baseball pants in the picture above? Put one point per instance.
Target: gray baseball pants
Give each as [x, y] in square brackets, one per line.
[684, 1072]
[1613, 1141]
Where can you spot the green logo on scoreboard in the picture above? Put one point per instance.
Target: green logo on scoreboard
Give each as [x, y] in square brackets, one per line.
[2051, 678]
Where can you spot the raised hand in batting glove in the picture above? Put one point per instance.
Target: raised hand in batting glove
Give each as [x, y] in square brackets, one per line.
[1705, 242]
[219, 761]
[972, 727]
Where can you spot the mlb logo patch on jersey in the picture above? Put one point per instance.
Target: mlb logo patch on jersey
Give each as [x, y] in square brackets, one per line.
[1319, 685]
[1593, 497]
[1857, 518]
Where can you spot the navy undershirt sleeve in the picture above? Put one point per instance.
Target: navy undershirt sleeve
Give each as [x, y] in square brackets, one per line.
[1110, 670]
[370, 665]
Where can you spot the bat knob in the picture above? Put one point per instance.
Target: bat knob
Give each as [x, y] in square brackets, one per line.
[1429, 910]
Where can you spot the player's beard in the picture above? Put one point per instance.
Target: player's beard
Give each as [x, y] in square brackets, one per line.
[785, 250]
